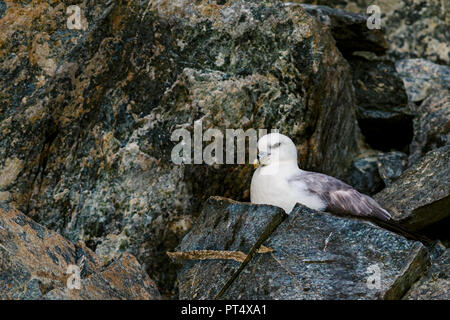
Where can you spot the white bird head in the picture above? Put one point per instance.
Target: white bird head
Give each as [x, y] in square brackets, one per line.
[275, 148]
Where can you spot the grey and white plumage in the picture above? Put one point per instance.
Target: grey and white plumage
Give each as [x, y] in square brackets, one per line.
[280, 182]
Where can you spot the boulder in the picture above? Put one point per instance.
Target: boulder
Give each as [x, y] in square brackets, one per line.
[349, 29]
[37, 263]
[414, 29]
[391, 165]
[364, 175]
[421, 195]
[422, 78]
[224, 237]
[369, 174]
[85, 141]
[435, 284]
[309, 255]
[383, 112]
[123, 279]
[431, 125]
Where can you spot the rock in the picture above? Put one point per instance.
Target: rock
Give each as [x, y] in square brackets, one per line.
[420, 196]
[223, 236]
[364, 175]
[422, 78]
[417, 29]
[383, 113]
[310, 255]
[431, 125]
[36, 263]
[391, 165]
[87, 117]
[414, 29]
[349, 30]
[435, 285]
[123, 279]
[369, 174]
[340, 268]
[34, 40]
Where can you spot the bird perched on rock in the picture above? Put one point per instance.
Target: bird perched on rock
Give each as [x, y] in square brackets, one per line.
[280, 182]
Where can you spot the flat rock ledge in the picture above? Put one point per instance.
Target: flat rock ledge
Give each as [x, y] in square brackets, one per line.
[242, 251]
[420, 197]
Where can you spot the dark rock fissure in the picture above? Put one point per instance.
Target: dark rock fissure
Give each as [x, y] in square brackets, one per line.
[385, 136]
[438, 231]
[271, 227]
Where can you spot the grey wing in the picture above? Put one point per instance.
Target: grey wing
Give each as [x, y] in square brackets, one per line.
[340, 198]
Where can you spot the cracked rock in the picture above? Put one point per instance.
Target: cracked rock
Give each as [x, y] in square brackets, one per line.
[310, 255]
[35, 263]
[230, 229]
[421, 195]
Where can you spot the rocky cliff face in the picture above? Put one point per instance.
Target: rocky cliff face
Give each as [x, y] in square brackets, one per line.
[87, 115]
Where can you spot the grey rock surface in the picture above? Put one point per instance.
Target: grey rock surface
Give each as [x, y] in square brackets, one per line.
[383, 112]
[414, 29]
[422, 77]
[123, 279]
[391, 165]
[224, 235]
[370, 174]
[435, 285]
[349, 29]
[431, 125]
[421, 195]
[364, 175]
[313, 255]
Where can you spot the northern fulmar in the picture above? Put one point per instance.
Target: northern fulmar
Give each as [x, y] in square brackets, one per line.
[280, 182]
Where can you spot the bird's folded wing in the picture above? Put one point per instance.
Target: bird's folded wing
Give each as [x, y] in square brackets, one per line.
[339, 197]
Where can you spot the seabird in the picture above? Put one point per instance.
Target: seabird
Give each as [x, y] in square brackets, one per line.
[280, 182]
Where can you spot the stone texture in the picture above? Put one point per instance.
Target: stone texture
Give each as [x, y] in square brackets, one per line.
[435, 285]
[391, 165]
[364, 175]
[34, 264]
[383, 112]
[33, 42]
[372, 172]
[300, 268]
[33, 259]
[422, 78]
[227, 228]
[88, 114]
[414, 28]
[123, 279]
[86, 117]
[420, 196]
[349, 30]
[311, 255]
[431, 125]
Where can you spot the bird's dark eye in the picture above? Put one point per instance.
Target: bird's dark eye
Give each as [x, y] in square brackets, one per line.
[276, 145]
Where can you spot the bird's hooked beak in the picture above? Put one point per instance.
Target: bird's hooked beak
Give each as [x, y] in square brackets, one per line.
[261, 159]
[256, 163]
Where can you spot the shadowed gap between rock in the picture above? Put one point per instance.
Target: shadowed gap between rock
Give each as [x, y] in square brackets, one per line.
[270, 228]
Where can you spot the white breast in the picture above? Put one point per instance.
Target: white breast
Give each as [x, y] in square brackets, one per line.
[275, 190]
